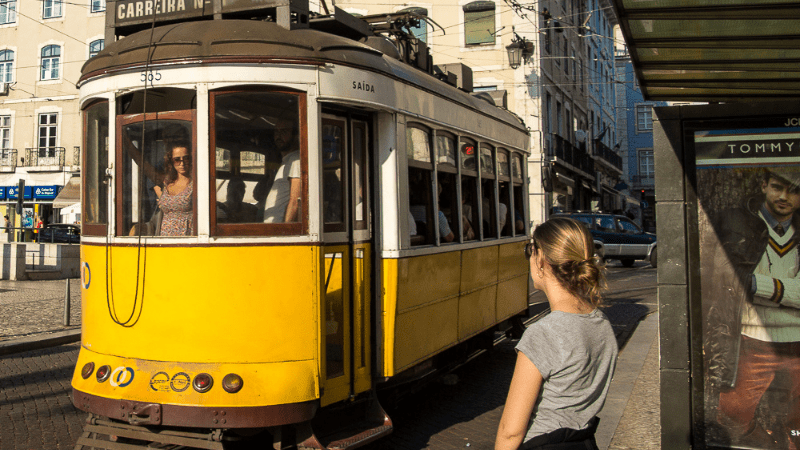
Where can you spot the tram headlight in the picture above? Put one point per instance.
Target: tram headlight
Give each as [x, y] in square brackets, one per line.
[202, 382]
[87, 370]
[103, 373]
[232, 383]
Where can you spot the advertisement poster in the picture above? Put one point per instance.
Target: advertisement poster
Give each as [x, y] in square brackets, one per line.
[748, 189]
[27, 217]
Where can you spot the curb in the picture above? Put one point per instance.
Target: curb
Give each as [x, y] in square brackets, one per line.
[38, 342]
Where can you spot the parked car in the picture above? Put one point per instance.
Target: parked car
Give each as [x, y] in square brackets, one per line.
[59, 233]
[622, 238]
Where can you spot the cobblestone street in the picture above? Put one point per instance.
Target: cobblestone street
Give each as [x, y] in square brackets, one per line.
[32, 307]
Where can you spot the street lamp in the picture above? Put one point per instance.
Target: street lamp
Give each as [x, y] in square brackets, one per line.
[519, 50]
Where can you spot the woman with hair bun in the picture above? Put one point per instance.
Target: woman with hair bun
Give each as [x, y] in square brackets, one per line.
[565, 360]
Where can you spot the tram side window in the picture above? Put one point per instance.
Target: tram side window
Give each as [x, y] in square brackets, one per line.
[489, 208]
[420, 198]
[258, 165]
[469, 190]
[333, 174]
[519, 201]
[447, 187]
[503, 183]
[158, 192]
[95, 205]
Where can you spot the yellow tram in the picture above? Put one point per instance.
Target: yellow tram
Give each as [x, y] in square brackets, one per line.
[345, 220]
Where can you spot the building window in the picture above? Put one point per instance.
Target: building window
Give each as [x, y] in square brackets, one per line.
[98, 6]
[479, 23]
[48, 130]
[51, 55]
[95, 47]
[52, 8]
[6, 66]
[8, 11]
[644, 118]
[5, 132]
[421, 30]
[646, 164]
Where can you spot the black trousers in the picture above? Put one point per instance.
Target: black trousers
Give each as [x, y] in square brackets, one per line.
[565, 439]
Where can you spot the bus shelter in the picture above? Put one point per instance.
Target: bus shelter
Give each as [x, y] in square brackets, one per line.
[727, 172]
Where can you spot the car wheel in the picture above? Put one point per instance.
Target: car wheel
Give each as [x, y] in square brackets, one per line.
[654, 257]
[627, 262]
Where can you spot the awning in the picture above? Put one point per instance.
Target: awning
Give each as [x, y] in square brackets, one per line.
[713, 50]
[70, 194]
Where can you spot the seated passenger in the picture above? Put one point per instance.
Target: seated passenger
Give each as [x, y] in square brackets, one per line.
[420, 215]
[282, 202]
[235, 210]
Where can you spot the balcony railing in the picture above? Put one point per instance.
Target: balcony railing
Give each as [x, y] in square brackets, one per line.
[8, 160]
[45, 156]
[602, 151]
[568, 153]
[643, 180]
[76, 155]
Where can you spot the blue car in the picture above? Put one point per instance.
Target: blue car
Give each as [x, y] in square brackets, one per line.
[622, 238]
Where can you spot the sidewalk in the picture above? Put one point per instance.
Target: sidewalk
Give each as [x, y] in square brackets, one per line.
[32, 314]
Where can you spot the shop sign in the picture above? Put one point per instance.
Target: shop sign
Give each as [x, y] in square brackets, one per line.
[12, 192]
[3, 191]
[45, 192]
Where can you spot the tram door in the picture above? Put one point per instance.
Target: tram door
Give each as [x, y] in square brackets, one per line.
[347, 236]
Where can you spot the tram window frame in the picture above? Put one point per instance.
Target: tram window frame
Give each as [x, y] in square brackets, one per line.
[186, 115]
[421, 169]
[504, 184]
[331, 226]
[518, 191]
[96, 153]
[260, 228]
[447, 179]
[469, 172]
[488, 178]
[361, 174]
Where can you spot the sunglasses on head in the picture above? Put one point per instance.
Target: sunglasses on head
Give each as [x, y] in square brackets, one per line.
[530, 249]
[182, 159]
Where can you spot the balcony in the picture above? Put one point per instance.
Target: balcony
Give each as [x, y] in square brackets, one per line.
[76, 156]
[8, 160]
[45, 158]
[640, 181]
[565, 152]
[608, 155]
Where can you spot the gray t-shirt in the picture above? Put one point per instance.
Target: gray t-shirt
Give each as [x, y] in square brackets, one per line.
[576, 355]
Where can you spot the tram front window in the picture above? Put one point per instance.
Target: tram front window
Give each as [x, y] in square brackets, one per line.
[258, 166]
[157, 183]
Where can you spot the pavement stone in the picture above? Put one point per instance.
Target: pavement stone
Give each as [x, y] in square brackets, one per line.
[30, 308]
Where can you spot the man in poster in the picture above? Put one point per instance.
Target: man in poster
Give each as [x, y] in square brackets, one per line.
[762, 308]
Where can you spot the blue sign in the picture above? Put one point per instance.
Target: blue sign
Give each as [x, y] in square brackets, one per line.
[14, 190]
[3, 190]
[44, 192]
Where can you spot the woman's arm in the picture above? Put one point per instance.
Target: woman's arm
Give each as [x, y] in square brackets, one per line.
[522, 395]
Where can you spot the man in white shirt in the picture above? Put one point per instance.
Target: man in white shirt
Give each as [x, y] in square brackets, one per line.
[283, 201]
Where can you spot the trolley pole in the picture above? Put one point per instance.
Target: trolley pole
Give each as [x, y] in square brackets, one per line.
[66, 305]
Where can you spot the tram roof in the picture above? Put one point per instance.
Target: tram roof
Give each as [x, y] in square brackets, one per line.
[250, 41]
[713, 50]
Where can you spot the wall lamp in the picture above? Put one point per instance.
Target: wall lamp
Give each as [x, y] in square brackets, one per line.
[520, 50]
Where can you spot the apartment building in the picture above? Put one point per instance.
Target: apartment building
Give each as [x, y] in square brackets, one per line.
[563, 90]
[43, 45]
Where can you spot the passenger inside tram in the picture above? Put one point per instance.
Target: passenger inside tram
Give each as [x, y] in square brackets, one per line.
[282, 203]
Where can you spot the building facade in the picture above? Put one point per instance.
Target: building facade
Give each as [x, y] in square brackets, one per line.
[43, 45]
[635, 127]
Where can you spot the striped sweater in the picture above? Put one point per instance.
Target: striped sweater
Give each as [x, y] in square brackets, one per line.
[774, 315]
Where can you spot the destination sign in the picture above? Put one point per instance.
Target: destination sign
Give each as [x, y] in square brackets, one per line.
[131, 12]
[127, 12]
[758, 146]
